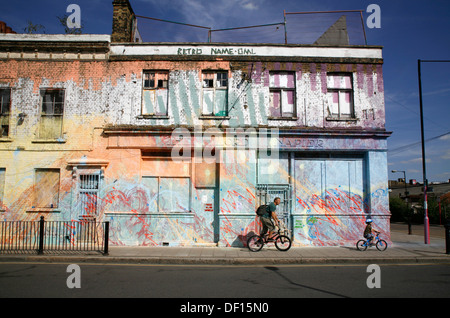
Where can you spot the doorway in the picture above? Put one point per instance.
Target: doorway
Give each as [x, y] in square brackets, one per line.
[266, 193]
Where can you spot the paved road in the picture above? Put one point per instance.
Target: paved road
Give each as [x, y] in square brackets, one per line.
[284, 281]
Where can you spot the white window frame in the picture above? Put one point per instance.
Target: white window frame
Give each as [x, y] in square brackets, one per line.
[88, 194]
[282, 88]
[342, 92]
[156, 88]
[219, 82]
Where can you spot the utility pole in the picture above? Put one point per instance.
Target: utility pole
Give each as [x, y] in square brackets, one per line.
[426, 221]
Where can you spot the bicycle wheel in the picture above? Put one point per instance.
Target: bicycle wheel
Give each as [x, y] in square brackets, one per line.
[283, 243]
[255, 243]
[381, 245]
[361, 245]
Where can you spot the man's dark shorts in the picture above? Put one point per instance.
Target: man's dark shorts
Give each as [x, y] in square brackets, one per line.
[267, 222]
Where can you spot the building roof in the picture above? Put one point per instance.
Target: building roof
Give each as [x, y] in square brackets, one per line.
[188, 51]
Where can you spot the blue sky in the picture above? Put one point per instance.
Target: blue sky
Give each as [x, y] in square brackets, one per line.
[410, 30]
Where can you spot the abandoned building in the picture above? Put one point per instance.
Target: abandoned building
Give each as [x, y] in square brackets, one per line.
[179, 143]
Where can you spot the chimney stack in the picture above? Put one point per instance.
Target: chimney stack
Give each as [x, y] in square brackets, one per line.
[123, 21]
[5, 29]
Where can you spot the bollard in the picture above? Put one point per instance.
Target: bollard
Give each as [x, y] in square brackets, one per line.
[447, 236]
[106, 239]
[41, 236]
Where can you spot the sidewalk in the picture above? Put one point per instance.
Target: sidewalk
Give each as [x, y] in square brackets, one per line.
[404, 249]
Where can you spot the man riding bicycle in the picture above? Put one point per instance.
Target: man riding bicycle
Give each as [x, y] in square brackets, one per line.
[266, 219]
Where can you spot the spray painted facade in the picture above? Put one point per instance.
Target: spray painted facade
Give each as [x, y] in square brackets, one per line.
[91, 129]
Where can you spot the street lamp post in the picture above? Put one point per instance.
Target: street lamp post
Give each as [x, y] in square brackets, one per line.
[406, 200]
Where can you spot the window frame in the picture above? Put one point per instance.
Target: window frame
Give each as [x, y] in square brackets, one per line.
[216, 112]
[339, 115]
[50, 208]
[2, 189]
[156, 165]
[88, 195]
[281, 89]
[161, 191]
[5, 116]
[159, 76]
[53, 114]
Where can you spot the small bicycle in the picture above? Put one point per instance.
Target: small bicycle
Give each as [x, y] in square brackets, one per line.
[381, 245]
[256, 242]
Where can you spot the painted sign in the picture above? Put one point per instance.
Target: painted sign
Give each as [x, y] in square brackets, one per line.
[217, 51]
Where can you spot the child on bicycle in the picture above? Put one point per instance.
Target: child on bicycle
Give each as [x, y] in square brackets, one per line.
[369, 231]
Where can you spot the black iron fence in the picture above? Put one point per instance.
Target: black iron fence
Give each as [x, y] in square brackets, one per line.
[48, 236]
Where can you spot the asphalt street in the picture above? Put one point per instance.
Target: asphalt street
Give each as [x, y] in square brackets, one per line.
[45, 280]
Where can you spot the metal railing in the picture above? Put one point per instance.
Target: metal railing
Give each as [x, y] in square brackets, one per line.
[295, 28]
[51, 236]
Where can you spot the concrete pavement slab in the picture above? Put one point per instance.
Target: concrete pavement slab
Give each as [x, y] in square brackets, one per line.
[405, 248]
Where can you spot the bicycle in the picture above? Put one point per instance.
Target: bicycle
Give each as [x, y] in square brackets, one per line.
[255, 243]
[380, 244]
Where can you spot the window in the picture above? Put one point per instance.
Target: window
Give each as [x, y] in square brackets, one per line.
[50, 126]
[46, 188]
[334, 185]
[215, 93]
[167, 182]
[167, 194]
[88, 194]
[340, 96]
[155, 92]
[2, 186]
[5, 104]
[205, 174]
[282, 94]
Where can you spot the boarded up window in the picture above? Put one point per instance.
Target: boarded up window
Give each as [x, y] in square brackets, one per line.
[46, 188]
[215, 93]
[155, 92]
[340, 95]
[174, 194]
[330, 186]
[52, 110]
[205, 174]
[5, 106]
[165, 167]
[167, 182]
[167, 194]
[282, 94]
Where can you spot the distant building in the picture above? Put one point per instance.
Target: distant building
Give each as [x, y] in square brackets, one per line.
[414, 189]
[91, 124]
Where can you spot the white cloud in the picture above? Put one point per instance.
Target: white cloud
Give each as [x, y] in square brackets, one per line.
[446, 155]
[415, 160]
[249, 5]
[211, 13]
[442, 91]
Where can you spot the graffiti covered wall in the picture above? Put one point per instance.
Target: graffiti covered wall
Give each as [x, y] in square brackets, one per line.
[80, 143]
